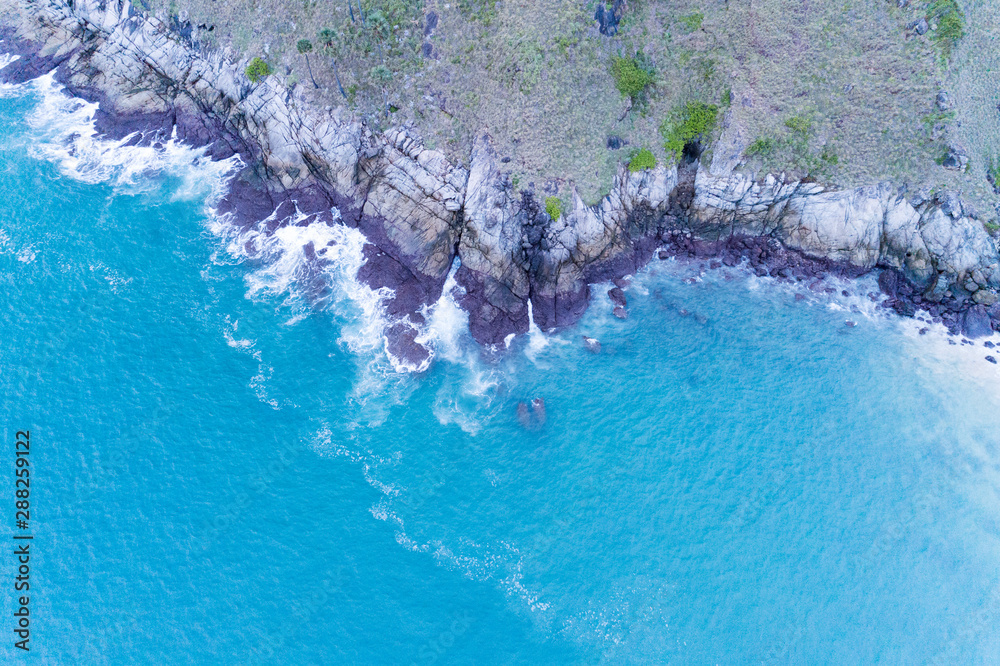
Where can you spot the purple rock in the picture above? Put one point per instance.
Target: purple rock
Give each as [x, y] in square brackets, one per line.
[592, 345]
[523, 414]
[888, 282]
[620, 312]
[991, 360]
[617, 296]
[976, 323]
[538, 405]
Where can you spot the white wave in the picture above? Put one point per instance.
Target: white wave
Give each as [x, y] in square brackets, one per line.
[65, 135]
[25, 253]
[312, 265]
[10, 89]
[264, 371]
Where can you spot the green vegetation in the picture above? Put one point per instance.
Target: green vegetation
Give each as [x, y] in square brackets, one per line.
[950, 25]
[328, 39]
[993, 174]
[632, 75]
[257, 70]
[799, 125]
[483, 11]
[643, 159]
[829, 156]
[763, 147]
[991, 227]
[381, 74]
[304, 47]
[858, 89]
[692, 22]
[692, 121]
[553, 206]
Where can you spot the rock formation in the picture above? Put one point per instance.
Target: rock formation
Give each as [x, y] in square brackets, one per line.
[420, 213]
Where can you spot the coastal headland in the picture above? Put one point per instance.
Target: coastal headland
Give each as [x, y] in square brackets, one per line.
[424, 210]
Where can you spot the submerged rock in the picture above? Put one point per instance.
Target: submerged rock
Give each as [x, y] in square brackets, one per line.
[523, 414]
[592, 344]
[538, 405]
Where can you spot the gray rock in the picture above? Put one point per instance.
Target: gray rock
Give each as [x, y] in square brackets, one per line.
[956, 159]
[985, 297]
[945, 101]
[414, 205]
[920, 26]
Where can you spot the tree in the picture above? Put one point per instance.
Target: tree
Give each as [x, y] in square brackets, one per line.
[378, 27]
[329, 41]
[305, 46]
[382, 75]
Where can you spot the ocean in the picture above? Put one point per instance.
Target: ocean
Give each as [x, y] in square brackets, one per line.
[227, 468]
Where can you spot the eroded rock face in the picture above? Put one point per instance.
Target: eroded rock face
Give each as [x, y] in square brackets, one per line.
[419, 212]
[934, 245]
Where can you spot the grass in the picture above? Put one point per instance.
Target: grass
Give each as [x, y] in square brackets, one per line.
[799, 125]
[553, 206]
[692, 121]
[762, 147]
[692, 22]
[950, 25]
[538, 78]
[483, 11]
[643, 159]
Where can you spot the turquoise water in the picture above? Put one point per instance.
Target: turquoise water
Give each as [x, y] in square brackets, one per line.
[227, 468]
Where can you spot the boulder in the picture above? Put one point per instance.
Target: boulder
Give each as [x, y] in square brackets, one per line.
[976, 322]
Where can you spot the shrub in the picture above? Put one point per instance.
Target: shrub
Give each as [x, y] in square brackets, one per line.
[798, 124]
[257, 70]
[381, 74]
[304, 46]
[553, 206]
[631, 75]
[692, 121]
[644, 159]
[763, 147]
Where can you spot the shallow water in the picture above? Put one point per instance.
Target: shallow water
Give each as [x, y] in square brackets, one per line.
[228, 468]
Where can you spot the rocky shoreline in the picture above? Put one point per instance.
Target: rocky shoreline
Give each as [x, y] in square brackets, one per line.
[421, 213]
